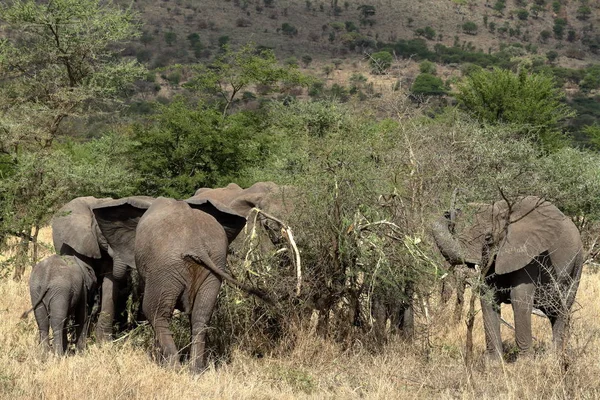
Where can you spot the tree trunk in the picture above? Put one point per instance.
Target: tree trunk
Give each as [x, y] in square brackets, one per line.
[36, 245]
[21, 258]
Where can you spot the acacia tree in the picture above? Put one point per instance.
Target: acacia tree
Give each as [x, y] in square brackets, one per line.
[235, 70]
[57, 59]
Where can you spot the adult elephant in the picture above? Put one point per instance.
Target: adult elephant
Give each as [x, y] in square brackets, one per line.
[179, 249]
[531, 255]
[75, 233]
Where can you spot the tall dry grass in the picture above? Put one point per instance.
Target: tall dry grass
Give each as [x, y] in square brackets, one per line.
[312, 369]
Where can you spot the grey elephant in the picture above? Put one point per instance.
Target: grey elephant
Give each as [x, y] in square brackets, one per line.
[61, 288]
[531, 255]
[179, 249]
[75, 232]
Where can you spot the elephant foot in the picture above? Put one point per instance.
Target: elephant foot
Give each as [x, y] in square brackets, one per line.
[198, 369]
[492, 357]
[103, 335]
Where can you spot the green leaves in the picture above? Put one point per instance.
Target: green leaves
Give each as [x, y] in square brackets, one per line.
[59, 58]
[58, 61]
[233, 71]
[185, 148]
[531, 102]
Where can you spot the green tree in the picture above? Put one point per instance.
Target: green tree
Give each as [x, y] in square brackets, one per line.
[429, 33]
[522, 14]
[499, 6]
[556, 6]
[428, 84]
[184, 147]
[235, 70]
[545, 35]
[531, 102]
[427, 67]
[61, 60]
[584, 12]
[170, 38]
[194, 39]
[470, 28]
[306, 60]
[380, 62]
[559, 27]
[551, 56]
[289, 29]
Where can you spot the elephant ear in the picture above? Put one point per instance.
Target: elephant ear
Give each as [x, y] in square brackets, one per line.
[534, 226]
[118, 220]
[232, 222]
[72, 228]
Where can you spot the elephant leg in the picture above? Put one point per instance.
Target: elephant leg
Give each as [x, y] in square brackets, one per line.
[81, 324]
[406, 315]
[378, 312]
[107, 308]
[559, 330]
[159, 309]
[460, 281]
[521, 298]
[490, 309]
[204, 304]
[43, 321]
[59, 310]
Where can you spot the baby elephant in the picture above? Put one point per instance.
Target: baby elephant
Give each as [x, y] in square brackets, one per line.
[60, 287]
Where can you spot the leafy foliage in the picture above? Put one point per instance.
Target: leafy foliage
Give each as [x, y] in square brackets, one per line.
[531, 102]
[380, 62]
[184, 148]
[233, 71]
[59, 61]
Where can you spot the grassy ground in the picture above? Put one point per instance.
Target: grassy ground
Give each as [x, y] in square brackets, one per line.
[314, 369]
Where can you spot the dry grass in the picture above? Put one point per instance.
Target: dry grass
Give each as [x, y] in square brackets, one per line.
[313, 369]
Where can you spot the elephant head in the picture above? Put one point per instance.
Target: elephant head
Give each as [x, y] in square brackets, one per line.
[73, 231]
[517, 232]
[269, 197]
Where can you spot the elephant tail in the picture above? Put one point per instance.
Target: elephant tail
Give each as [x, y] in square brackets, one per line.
[26, 313]
[207, 262]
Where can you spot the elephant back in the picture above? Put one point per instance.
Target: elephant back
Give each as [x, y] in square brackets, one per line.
[74, 230]
[223, 195]
[534, 226]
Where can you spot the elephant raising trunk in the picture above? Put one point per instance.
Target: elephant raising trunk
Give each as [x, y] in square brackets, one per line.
[536, 261]
[449, 246]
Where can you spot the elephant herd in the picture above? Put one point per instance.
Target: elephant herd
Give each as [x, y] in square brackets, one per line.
[529, 254]
[178, 248]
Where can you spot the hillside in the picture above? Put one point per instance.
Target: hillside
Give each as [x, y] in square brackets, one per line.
[326, 29]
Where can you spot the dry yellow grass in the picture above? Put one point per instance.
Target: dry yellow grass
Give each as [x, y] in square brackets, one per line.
[314, 369]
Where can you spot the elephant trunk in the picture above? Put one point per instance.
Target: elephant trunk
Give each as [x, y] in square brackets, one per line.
[448, 245]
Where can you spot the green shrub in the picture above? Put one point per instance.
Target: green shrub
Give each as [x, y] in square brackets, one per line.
[288, 29]
[470, 28]
[531, 102]
[427, 67]
[559, 27]
[380, 62]
[522, 14]
[429, 85]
